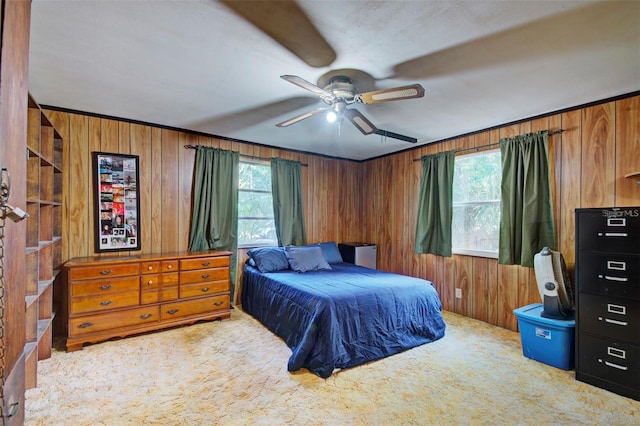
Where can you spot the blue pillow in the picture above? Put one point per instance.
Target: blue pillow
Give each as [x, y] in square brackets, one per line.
[331, 252]
[269, 259]
[306, 258]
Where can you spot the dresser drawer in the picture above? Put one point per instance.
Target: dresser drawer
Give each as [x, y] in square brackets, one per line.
[103, 287]
[100, 302]
[608, 230]
[203, 263]
[609, 274]
[204, 275]
[203, 289]
[610, 360]
[616, 318]
[167, 280]
[112, 320]
[103, 271]
[194, 307]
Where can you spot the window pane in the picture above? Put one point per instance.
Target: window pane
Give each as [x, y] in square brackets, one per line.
[255, 176]
[476, 204]
[476, 227]
[477, 177]
[255, 204]
[256, 232]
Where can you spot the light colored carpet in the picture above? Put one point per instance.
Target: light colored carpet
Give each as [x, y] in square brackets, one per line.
[234, 373]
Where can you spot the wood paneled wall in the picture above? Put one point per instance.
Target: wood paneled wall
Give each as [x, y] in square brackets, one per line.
[332, 187]
[373, 201]
[600, 145]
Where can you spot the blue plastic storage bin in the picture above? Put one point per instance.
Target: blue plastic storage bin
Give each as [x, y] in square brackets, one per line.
[546, 340]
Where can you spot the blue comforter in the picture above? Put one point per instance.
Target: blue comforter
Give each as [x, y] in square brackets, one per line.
[343, 317]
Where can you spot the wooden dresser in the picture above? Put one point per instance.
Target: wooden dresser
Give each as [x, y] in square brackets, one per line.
[105, 297]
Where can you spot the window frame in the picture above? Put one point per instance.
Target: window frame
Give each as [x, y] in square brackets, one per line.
[247, 245]
[474, 252]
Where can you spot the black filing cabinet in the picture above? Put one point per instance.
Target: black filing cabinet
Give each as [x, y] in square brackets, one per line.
[608, 299]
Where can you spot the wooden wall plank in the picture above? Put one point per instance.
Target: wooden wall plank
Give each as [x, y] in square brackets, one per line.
[627, 152]
[80, 236]
[170, 190]
[140, 145]
[598, 155]
[154, 214]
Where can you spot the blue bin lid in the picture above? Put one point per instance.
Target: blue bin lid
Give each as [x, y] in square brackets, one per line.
[532, 312]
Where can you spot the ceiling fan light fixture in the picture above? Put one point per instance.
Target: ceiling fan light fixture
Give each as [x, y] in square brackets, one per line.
[332, 117]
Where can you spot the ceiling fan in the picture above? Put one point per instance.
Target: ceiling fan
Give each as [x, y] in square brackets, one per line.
[341, 92]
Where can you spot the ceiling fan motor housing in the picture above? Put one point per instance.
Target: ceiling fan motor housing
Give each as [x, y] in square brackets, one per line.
[342, 88]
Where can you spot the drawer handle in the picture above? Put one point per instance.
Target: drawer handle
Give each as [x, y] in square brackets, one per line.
[86, 325]
[169, 266]
[205, 263]
[218, 303]
[618, 366]
[146, 316]
[172, 311]
[620, 279]
[106, 303]
[149, 267]
[105, 287]
[205, 289]
[616, 322]
[616, 234]
[106, 272]
[13, 409]
[205, 275]
[150, 282]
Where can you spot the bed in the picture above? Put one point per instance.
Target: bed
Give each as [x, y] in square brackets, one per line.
[336, 315]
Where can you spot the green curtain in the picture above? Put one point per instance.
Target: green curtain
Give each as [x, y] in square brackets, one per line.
[435, 204]
[526, 220]
[214, 223]
[288, 209]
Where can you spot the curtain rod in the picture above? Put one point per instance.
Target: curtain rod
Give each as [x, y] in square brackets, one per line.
[555, 132]
[253, 157]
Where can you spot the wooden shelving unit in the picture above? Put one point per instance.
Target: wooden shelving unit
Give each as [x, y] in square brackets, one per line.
[44, 236]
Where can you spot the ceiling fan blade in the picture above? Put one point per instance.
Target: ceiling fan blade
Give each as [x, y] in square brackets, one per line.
[301, 82]
[388, 134]
[360, 121]
[288, 25]
[393, 94]
[301, 117]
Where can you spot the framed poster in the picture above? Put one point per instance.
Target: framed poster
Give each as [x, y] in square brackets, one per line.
[117, 209]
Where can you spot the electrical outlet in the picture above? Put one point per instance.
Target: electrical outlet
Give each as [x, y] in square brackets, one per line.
[458, 293]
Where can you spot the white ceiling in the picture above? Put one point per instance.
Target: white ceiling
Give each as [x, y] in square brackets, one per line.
[197, 65]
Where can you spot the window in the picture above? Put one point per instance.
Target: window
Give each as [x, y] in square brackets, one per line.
[256, 226]
[476, 204]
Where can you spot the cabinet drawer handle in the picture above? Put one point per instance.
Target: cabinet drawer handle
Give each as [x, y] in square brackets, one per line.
[205, 275]
[618, 366]
[146, 316]
[205, 263]
[106, 272]
[169, 266]
[105, 287]
[13, 409]
[218, 303]
[205, 289]
[621, 279]
[616, 234]
[150, 282]
[106, 303]
[616, 322]
[149, 267]
[86, 325]
[172, 311]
